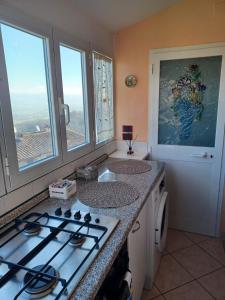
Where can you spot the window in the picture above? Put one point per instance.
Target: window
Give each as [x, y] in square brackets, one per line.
[74, 95]
[46, 110]
[103, 92]
[28, 103]
[26, 60]
[73, 86]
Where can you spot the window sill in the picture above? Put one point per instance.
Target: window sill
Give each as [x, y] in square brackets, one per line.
[18, 196]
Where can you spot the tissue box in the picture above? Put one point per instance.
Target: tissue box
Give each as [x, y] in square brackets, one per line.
[62, 189]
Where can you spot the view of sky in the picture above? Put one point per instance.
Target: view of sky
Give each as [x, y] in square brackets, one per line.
[24, 54]
[71, 69]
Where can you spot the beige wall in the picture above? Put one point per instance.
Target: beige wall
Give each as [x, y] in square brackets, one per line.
[188, 23]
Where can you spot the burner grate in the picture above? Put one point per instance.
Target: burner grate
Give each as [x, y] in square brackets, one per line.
[38, 273]
[30, 229]
[39, 216]
[77, 240]
[42, 284]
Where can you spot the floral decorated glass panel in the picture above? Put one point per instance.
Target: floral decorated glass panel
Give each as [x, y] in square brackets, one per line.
[188, 101]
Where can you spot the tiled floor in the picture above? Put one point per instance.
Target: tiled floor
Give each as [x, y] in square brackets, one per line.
[192, 268]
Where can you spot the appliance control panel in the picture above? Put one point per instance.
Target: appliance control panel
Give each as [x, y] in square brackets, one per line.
[77, 215]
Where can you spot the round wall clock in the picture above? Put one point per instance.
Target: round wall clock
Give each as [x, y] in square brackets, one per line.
[131, 81]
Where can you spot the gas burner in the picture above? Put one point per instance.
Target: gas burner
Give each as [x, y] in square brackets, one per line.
[41, 285]
[31, 229]
[66, 241]
[77, 240]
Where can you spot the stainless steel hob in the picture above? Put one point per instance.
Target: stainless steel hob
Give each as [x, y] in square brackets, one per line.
[44, 256]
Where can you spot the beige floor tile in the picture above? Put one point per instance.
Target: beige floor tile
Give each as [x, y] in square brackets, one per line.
[215, 248]
[190, 291]
[177, 240]
[170, 275]
[215, 283]
[197, 238]
[150, 294]
[196, 261]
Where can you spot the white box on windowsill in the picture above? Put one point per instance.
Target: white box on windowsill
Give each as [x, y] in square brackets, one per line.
[62, 189]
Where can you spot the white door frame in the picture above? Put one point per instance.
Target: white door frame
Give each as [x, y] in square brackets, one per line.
[153, 107]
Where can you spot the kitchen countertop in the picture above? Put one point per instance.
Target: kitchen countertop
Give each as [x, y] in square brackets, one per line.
[93, 279]
[144, 182]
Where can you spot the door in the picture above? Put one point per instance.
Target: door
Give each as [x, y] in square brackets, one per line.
[137, 254]
[187, 111]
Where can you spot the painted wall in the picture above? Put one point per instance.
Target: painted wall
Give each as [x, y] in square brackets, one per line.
[65, 16]
[187, 23]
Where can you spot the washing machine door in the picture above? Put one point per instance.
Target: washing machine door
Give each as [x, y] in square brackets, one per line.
[162, 222]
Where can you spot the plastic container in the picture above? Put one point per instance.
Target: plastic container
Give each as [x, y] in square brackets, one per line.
[88, 173]
[62, 189]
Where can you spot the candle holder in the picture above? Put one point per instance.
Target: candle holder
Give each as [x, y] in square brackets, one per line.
[130, 151]
[127, 135]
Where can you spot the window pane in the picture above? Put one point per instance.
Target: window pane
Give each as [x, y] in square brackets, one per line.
[74, 98]
[188, 101]
[25, 56]
[103, 88]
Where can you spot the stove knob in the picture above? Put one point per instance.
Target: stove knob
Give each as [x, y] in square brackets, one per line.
[97, 220]
[87, 217]
[58, 211]
[77, 215]
[67, 213]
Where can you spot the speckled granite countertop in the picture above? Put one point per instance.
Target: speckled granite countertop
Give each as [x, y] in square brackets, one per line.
[93, 279]
[144, 182]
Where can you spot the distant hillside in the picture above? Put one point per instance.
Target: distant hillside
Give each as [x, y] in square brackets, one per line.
[35, 125]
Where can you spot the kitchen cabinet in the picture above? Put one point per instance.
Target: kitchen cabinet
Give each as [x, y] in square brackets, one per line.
[137, 245]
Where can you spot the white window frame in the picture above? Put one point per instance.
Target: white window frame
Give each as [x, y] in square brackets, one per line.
[16, 178]
[70, 41]
[2, 182]
[2, 150]
[102, 143]
[11, 177]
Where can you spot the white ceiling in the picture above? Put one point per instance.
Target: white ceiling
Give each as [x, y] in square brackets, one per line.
[116, 14]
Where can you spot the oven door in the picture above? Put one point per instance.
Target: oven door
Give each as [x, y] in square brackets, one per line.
[162, 222]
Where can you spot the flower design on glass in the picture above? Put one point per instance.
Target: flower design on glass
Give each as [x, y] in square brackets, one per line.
[187, 97]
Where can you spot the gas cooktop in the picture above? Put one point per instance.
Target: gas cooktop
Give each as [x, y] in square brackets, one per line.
[45, 255]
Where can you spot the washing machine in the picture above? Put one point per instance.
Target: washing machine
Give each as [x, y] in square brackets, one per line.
[157, 226]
